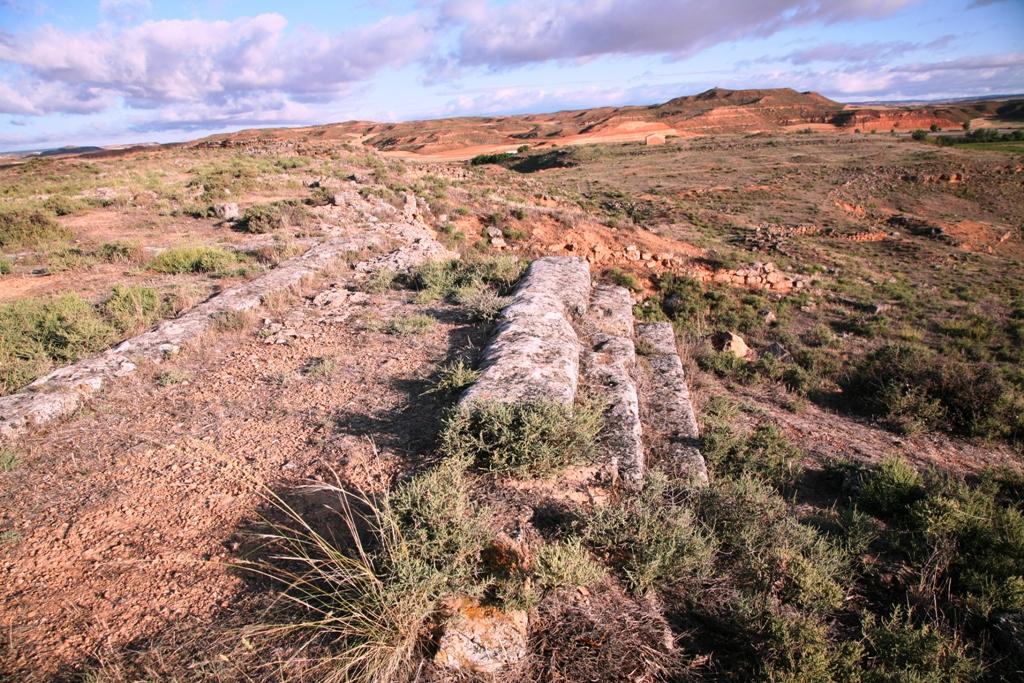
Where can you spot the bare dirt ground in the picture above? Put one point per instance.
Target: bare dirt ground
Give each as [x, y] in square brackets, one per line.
[123, 523]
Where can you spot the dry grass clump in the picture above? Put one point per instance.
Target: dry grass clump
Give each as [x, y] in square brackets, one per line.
[606, 637]
[370, 595]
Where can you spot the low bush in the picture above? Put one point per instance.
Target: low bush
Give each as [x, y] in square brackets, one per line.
[535, 438]
[626, 279]
[35, 334]
[437, 280]
[26, 228]
[121, 252]
[193, 259]
[403, 325]
[912, 387]
[500, 158]
[898, 650]
[566, 564]
[61, 205]
[891, 488]
[652, 537]
[131, 309]
[5, 266]
[763, 453]
[453, 378]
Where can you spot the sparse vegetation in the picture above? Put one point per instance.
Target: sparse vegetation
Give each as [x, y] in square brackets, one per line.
[371, 594]
[8, 460]
[410, 324]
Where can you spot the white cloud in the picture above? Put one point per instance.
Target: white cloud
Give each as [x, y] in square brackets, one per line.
[530, 31]
[208, 63]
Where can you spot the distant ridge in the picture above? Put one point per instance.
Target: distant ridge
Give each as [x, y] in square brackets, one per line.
[714, 111]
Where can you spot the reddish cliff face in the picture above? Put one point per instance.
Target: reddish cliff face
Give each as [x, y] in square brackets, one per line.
[901, 118]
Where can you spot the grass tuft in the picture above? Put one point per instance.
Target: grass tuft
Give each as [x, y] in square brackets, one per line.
[193, 259]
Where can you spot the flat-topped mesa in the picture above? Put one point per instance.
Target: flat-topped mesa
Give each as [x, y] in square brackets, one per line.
[610, 363]
[535, 353]
[668, 407]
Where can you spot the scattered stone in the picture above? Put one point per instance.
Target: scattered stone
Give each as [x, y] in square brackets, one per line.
[227, 211]
[776, 350]
[483, 640]
[733, 343]
[331, 298]
[768, 316]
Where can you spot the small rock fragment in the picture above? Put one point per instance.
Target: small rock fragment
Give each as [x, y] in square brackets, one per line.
[482, 639]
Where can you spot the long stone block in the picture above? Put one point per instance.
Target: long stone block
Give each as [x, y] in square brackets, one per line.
[610, 363]
[668, 405]
[534, 353]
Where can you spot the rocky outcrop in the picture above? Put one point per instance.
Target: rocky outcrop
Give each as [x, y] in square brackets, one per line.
[534, 353]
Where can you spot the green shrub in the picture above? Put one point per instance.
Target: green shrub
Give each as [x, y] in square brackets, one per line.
[27, 228]
[481, 159]
[8, 460]
[765, 550]
[35, 334]
[5, 266]
[264, 218]
[764, 453]
[403, 325]
[566, 564]
[121, 251]
[193, 259]
[625, 279]
[61, 205]
[901, 652]
[891, 488]
[535, 438]
[919, 134]
[260, 219]
[437, 280]
[132, 308]
[984, 537]
[652, 537]
[380, 281]
[453, 378]
[913, 387]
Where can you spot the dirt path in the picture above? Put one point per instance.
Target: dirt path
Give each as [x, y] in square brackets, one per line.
[121, 524]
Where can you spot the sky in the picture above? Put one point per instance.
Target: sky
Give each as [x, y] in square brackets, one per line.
[118, 71]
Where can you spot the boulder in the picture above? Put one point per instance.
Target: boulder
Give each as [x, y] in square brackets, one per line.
[733, 343]
[227, 211]
[483, 640]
